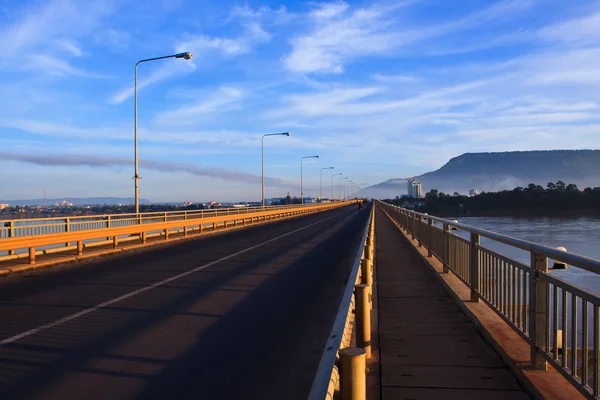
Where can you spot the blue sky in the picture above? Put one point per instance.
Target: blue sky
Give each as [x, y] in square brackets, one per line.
[379, 90]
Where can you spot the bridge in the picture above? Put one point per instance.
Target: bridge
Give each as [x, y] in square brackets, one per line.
[316, 301]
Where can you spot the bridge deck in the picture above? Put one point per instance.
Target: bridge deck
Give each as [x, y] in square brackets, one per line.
[244, 315]
[429, 349]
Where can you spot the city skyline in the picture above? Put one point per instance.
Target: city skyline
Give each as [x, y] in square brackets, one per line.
[380, 90]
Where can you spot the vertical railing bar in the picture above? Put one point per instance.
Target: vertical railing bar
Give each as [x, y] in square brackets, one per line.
[513, 273]
[548, 318]
[555, 316]
[596, 350]
[584, 342]
[525, 302]
[564, 329]
[573, 334]
[520, 300]
[503, 283]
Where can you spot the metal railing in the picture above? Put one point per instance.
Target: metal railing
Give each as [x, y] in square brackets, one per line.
[141, 227]
[341, 371]
[559, 320]
[52, 225]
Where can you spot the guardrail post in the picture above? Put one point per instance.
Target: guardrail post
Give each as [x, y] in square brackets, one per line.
[413, 218]
[429, 236]
[32, 255]
[165, 216]
[11, 233]
[185, 215]
[67, 227]
[474, 268]
[353, 375]
[115, 242]
[538, 311]
[79, 248]
[446, 253]
[419, 230]
[363, 318]
[144, 238]
[366, 267]
[108, 221]
[167, 234]
[185, 231]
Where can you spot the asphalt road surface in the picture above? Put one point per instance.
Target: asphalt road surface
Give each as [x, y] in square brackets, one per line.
[242, 315]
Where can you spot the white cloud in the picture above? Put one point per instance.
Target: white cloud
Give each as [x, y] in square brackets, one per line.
[168, 69]
[56, 66]
[203, 48]
[225, 98]
[338, 35]
[578, 31]
[395, 78]
[51, 27]
[329, 10]
[69, 47]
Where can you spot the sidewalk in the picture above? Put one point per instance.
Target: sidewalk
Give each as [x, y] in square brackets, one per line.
[429, 348]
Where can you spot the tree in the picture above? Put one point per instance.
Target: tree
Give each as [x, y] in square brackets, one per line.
[432, 194]
[561, 186]
[456, 194]
[572, 189]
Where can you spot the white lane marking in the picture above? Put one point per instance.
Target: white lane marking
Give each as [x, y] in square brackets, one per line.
[144, 289]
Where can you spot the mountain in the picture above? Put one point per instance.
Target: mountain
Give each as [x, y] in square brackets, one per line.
[493, 172]
[76, 201]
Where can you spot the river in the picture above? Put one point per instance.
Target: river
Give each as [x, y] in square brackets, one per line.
[579, 235]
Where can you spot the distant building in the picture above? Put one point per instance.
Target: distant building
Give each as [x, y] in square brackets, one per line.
[473, 192]
[3, 206]
[414, 188]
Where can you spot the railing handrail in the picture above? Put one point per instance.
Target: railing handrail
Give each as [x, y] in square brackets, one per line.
[88, 234]
[326, 364]
[151, 213]
[580, 261]
[551, 314]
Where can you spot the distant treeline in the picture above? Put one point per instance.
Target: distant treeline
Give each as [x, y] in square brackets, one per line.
[556, 198]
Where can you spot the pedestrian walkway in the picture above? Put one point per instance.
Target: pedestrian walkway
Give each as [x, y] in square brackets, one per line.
[429, 349]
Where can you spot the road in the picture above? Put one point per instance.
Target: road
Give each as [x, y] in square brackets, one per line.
[242, 315]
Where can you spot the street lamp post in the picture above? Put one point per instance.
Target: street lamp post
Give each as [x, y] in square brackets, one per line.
[302, 176]
[339, 184]
[262, 163]
[332, 197]
[321, 181]
[136, 177]
[346, 188]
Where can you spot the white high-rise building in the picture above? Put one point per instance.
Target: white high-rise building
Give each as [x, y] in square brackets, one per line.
[413, 188]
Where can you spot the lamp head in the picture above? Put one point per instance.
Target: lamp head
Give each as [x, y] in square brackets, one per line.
[186, 55]
[286, 133]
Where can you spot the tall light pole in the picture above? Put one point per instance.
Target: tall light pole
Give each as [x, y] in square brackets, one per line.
[302, 176]
[349, 183]
[332, 197]
[185, 56]
[262, 162]
[321, 181]
[339, 184]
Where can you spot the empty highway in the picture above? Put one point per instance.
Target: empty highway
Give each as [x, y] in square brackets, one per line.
[240, 315]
